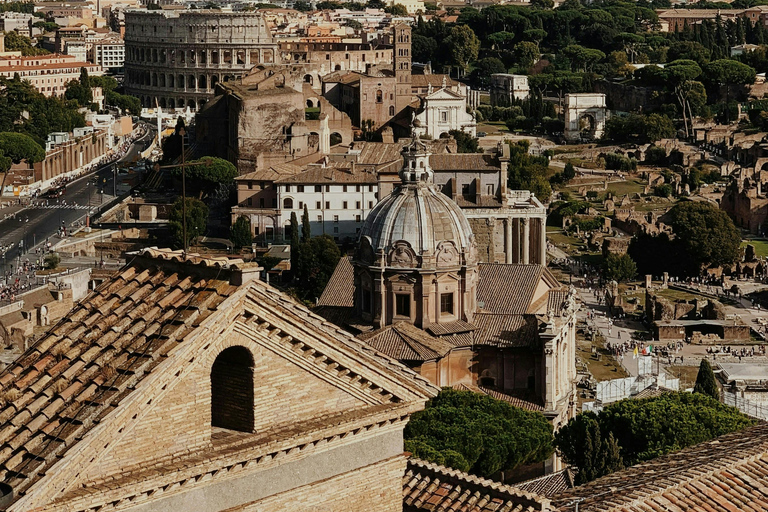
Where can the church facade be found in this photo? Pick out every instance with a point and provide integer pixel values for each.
(416, 290)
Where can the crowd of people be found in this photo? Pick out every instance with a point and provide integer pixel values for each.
(18, 280)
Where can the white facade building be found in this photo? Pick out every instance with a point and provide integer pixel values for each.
(337, 200)
(110, 55)
(443, 110)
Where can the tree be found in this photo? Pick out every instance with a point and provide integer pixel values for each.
(688, 50)
(295, 243)
(317, 260)
(569, 172)
(526, 172)
(681, 75)
(476, 433)
(302, 6)
(706, 234)
(240, 233)
(727, 73)
(486, 67)
(52, 260)
(423, 48)
(642, 430)
(463, 46)
(526, 54)
(18, 147)
(465, 142)
(15, 42)
(207, 173)
(197, 221)
(705, 381)
(619, 267)
(306, 228)
(396, 10)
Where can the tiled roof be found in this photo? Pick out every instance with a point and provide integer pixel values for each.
(512, 400)
(273, 173)
(556, 299)
(405, 342)
(450, 328)
(329, 175)
(494, 287)
(464, 162)
(549, 485)
(435, 80)
(340, 290)
(729, 473)
(431, 487)
(76, 374)
(506, 330)
(90, 363)
(483, 202)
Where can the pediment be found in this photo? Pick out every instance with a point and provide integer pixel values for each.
(443, 94)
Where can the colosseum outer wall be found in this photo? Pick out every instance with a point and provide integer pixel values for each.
(176, 58)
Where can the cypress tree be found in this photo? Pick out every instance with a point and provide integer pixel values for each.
(294, 245)
(306, 230)
(705, 381)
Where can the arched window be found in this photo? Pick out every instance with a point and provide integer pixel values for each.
(391, 111)
(232, 390)
(288, 203)
(379, 96)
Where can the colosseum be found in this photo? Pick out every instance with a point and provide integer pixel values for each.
(178, 57)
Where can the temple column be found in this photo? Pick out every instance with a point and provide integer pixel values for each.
(543, 223)
(508, 241)
(526, 241)
(515, 240)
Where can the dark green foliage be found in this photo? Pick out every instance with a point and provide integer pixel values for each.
(15, 42)
(18, 147)
(639, 128)
(528, 172)
(24, 110)
(52, 260)
(569, 172)
(484, 68)
(396, 10)
(477, 433)
(706, 233)
(619, 162)
(25, 7)
(663, 190)
(317, 259)
(197, 221)
(619, 267)
(240, 233)
(465, 142)
(643, 429)
(705, 381)
(656, 155)
(295, 243)
(206, 174)
(306, 228)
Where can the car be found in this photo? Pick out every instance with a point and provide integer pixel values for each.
(56, 192)
(481, 134)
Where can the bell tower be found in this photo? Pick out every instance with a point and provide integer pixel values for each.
(401, 38)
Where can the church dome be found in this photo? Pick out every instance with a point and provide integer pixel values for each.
(417, 226)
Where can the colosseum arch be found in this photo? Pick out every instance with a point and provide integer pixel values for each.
(191, 82)
(202, 83)
(171, 81)
(180, 82)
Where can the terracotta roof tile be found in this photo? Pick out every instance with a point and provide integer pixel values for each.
(727, 473)
(404, 342)
(504, 330)
(470, 162)
(431, 487)
(493, 289)
(340, 290)
(549, 485)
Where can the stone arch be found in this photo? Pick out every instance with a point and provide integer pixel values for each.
(191, 104)
(171, 103)
(154, 79)
(445, 135)
(202, 82)
(214, 81)
(162, 103)
(337, 67)
(761, 164)
(232, 389)
(180, 82)
(171, 81)
(191, 82)
(200, 104)
(391, 111)
(308, 79)
(336, 138)
(584, 110)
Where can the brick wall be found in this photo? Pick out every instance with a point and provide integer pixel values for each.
(283, 394)
(374, 488)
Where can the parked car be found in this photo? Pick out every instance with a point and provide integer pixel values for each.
(481, 134)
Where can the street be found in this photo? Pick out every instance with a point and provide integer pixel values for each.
(41, 221)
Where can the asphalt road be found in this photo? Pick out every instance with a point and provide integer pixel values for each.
(34, 225)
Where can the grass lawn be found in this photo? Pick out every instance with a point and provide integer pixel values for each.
(761, 246)
(606, 369)
(492, 127)
(678, 295)
(630, 186)
(686, 374)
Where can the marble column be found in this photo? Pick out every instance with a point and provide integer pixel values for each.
(543, 226)
(515, 240)
(508, 240)
(526, 240)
